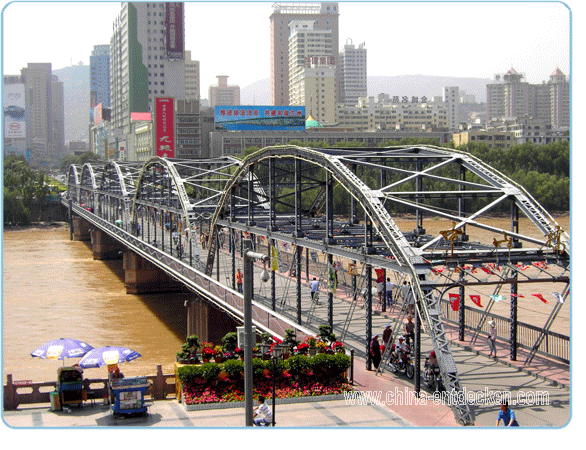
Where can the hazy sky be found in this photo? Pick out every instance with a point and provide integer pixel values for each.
(464, 39)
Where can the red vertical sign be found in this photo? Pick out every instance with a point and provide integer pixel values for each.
(165, 122)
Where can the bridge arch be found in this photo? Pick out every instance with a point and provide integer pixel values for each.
(88, 185)
(414, 187)
(73, 183)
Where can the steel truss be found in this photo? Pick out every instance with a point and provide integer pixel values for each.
(342, 202)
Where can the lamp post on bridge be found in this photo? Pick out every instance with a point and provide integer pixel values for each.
(249, 257)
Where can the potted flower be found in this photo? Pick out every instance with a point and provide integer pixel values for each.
(302, 348)
(311, 341)
(338, 347)
(219, 355)
(239, 352)
(321, 346)
(207, 351)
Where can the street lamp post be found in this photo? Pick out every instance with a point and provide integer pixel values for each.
(249, 257)
(276, 355)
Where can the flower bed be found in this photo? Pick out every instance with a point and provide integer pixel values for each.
(298, 376)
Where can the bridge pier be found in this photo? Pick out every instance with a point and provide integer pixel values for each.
(208, 323)
(143, 277)
(105, 247)
(81, 229)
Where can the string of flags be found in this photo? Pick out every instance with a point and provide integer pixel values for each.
(455, 299)
(490, 268)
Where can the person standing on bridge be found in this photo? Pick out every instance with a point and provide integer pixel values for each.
(375, 351)
(389, 289)
(239, 280)
(314, 285)
(492, 339)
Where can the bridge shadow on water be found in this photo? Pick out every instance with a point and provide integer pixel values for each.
(167, 307)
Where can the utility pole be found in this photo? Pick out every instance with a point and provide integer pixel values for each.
(249, 257)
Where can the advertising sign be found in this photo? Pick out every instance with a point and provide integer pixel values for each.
(14, 111)
(165, 127)
(174, 30)
(97, 114)
(230, 118)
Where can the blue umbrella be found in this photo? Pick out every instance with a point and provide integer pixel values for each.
(104, 356)
(61, 349)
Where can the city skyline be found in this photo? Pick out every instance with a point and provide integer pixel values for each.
(462, 48)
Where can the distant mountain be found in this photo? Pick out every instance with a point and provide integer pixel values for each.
(259, 93)
(76, 93)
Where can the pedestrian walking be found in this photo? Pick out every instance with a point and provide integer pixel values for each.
(387, 335)
(314, 285)
(492, 339)
(389, 289)
(410, 330)
(375, 351)
(239, 280)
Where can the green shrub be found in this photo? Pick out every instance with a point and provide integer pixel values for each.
(298, 364)
(210, 371)
(234, 368)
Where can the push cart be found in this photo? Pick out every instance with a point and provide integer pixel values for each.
(70, 386)
(129, 396)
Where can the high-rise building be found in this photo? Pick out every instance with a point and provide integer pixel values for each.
(38, 81)
(34, 119)
(147, 60)
(14, 131)
(353, 75)
(312, 70)
(224, 94)
(58, 119)
(510, 96)
(192, 90)
(559, 99)
(452, 100)
(44, 110)
(100, 76)
(324, 17)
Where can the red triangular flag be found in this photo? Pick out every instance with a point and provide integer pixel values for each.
(455, 301)
(517, 295)
(540, 297)
(476, 300)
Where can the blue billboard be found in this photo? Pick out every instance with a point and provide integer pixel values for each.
(235, 118)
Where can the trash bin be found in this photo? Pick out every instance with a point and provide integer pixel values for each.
(55, 401)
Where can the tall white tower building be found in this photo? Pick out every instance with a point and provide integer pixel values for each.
(452, 99)
(312, 70)
(353, 73)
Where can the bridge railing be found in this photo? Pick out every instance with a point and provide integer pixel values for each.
(555, 345)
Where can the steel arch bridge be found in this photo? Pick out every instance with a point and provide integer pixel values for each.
(344, 207)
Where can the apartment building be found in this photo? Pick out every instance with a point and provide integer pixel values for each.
(510, 96)
(224, 93)
(353, 73)
(394, 113)
(324, 17)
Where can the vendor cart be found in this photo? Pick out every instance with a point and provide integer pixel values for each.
(129, 396)
(70, 386)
